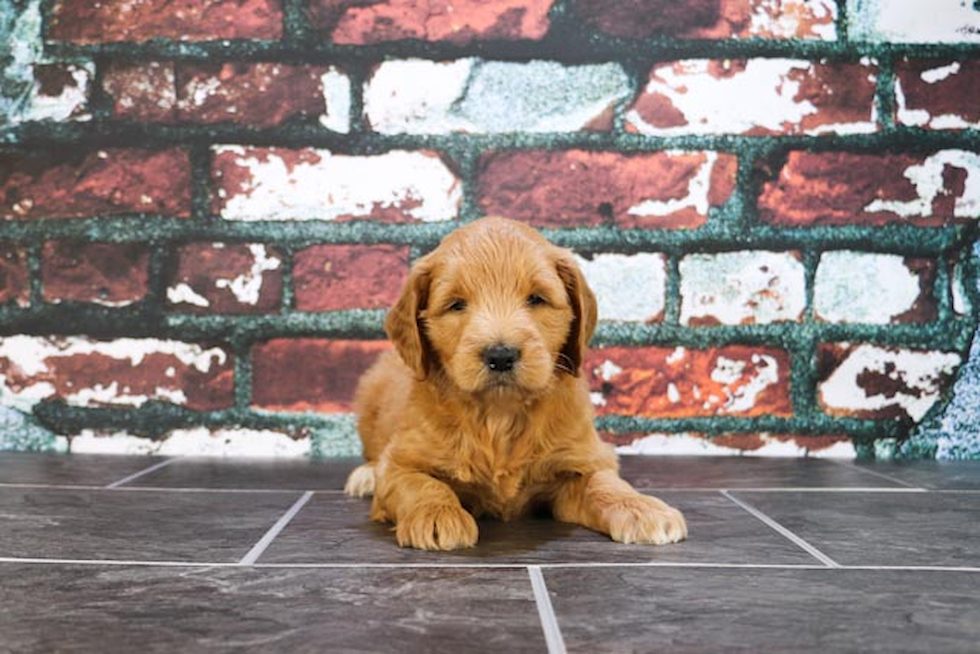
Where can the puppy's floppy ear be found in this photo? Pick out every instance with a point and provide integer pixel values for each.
(583, 306)
(404, 321)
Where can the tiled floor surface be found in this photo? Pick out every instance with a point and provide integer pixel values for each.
(114, 554)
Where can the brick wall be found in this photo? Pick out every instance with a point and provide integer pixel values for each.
(206, 207)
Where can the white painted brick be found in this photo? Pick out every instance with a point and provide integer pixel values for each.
(912, 381)
(914, 21)
(198, 441)
(863, 287)
(470, 95)
(734, 288)
(628, 287)
(321, 185)
(764, 96)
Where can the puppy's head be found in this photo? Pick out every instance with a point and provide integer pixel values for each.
(496, 308)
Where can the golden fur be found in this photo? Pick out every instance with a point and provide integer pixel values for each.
(447, 437)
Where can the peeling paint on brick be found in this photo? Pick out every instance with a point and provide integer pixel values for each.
(869, 381)
(470, 95)
(930, 182)
(736, 288)
(762, 96)
(712, 19)
(122, 372)
(843, 188)
(901, 21)
(199, 441)
(937, 94)
(226, 278)
(670, 189)
(755, 445)
(731, 380)
(628, 287)
(275, 184)
(337, 101)
(863, 287)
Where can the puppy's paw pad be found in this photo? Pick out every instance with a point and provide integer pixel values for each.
(360, 483)
(646, 521)
(441, 527)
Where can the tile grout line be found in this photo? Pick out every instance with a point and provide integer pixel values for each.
(546, 612)
(137, 475)
(880, 475)
(260, 547)
(332, 491)
(487, 566)
(810, 549)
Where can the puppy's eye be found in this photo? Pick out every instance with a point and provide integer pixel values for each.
(535, 300)
(456, 306)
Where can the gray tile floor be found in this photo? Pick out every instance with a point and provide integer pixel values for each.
(118, 554)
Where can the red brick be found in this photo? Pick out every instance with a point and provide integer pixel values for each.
(763, 97)
(462, 21)
(107, 182)
(15, 286)
(123, 372)
(658, 382)
(842, 188)
(145, 92)
(938, 94)
(338, 277)
(310, 374)
(255, 94)
(578, 188)
(112, 274)
(84, 21)
(225, 278)
(710, 19)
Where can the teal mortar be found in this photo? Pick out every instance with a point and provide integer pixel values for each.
(735, 225)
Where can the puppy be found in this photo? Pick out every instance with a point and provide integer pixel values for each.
(482, 410)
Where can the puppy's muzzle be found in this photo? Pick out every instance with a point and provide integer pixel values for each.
(501, 358)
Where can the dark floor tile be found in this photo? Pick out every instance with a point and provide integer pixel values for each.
(135, 525)
(334, 528)
(123, 609)
(743, 472)
(792, 611)
(69, 469)
(940, 529)
(937, 475)
(257, 474)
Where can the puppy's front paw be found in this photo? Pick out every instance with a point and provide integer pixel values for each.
(360, 483)
(437, 527)
(647, 520)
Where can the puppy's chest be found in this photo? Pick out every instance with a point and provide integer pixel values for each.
(500, 476)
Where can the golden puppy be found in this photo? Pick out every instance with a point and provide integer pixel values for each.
(482, 409)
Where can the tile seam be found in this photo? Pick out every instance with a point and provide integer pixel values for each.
(263, 544)
(546, 612)
(500, 566)
(798, 541)
(141, 473)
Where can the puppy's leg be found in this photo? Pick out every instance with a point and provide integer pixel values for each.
(426, 512)
(605, 503)
(360, 482)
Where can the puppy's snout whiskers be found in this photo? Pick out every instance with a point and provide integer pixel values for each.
(565, 364)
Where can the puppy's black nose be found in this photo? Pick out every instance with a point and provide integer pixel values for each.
(501, 358)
